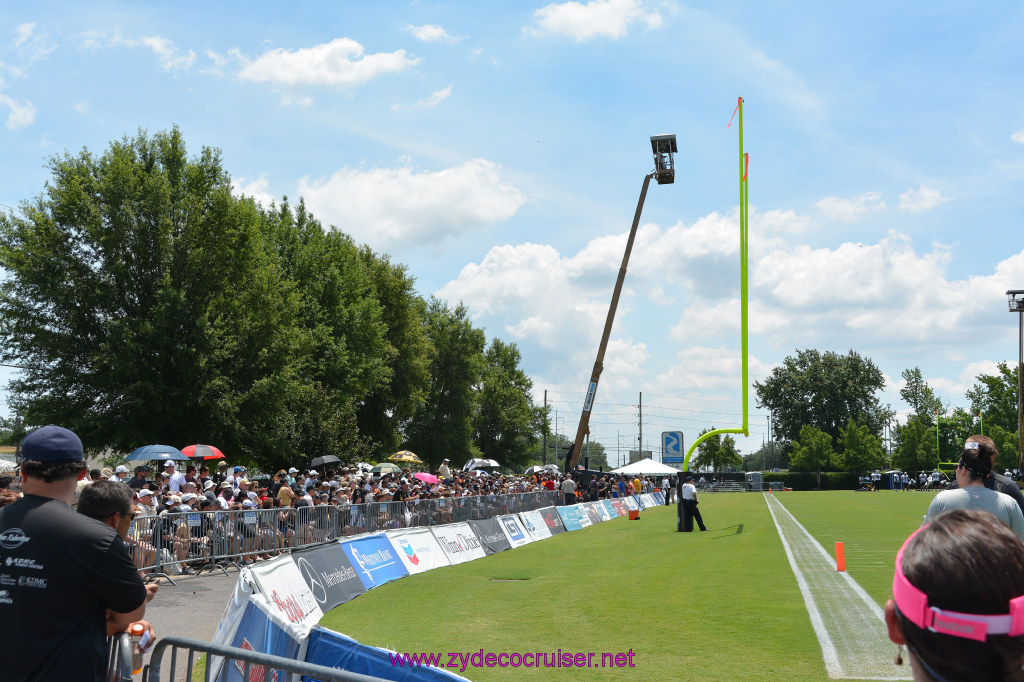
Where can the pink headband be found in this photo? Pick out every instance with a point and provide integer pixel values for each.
(913, 604)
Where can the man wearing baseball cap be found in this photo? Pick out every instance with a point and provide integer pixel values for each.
(71, 580)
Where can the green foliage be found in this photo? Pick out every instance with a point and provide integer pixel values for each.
(823, 390)
(813, 452)
(1006, 443)
(442, 425)
(505, 418)
(386, 411)
(915, 447)
(771, 455)
(829, 480)
(995, 396)
(861, 449)
(716, 453)
(919, 395)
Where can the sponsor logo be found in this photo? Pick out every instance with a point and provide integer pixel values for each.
(23, 562)
(30, 581)
(409, 551)
(256, 672)
(13, 538)
(512, 528)
(295, 606)
(6, 579)
(309, 574)
(5, 597)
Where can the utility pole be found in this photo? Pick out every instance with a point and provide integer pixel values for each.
(640, 440)
(544, 447)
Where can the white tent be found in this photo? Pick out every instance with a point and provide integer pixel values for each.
(646, 467)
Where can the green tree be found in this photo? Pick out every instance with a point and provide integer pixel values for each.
(995, 396)
(505, 418)
(442, 425)
(717, 453)
(1006, 444)
(861, 449)
(771, 455)
(597, 456)
(824, 390)
(915, 447)
(386, 412)
(919, 395)
(145, 303)
(813, 451)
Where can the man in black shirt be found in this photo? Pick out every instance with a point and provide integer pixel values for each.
(67, 579)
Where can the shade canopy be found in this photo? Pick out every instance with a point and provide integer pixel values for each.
(646, 467)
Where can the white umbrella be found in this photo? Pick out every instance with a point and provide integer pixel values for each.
(7, 466)
(477, 463)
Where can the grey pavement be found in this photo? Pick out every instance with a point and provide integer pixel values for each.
(191, 608)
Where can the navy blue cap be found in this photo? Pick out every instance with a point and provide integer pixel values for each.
(52, 444)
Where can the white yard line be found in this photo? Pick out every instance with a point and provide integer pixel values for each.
(849, 624)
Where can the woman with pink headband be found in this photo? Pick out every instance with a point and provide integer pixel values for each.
(958, 599)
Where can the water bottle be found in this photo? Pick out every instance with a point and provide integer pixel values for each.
(140, 641)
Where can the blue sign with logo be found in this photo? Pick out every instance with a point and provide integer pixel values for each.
(374, 560)
(672, 447)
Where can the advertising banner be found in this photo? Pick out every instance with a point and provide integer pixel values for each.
(260, 629)
(418, 549)
(374, 559)
(581, 512)
(534, 524)
(329, 575)
(659, 497)
(281, 583)
(619, 507)
(459, 542)
(591, 510)
(335, 650)
(230, 618)
(629, 502)
(552, 519)
(609, 509)
(514, 531)
(571, 517)
(649, 501)
(490, 535)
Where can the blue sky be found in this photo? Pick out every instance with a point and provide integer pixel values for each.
(498, 149)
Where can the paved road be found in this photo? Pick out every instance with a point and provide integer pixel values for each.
(192, 608)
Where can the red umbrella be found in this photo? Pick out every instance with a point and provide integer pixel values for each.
(203, 451)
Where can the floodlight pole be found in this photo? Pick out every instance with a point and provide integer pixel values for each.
(1016, 300)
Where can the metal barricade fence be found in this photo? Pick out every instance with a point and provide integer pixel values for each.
(177, 542)
(252, 665)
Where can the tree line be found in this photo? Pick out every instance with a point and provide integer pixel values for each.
(826, 416)
(146, 303)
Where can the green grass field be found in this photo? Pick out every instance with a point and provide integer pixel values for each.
(721, 605)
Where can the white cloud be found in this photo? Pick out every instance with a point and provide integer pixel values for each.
(170, 58)
(850, 210)
(339, 62)
(23, 33)
(432, 33)
(385, 207)
(597, 18)
(921, 199)
(436, 98)
(81, 107)
(258, 189)
(31, 46)
(1018, 137)
(23, 113)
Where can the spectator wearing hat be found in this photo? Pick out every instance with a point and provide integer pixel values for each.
(444, 471)
(119, 474)
(75, 581)
(138, 479)
(222, 471)
(176, 479)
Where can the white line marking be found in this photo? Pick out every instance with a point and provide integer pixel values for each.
(849, 624)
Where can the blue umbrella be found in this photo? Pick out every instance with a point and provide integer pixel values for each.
(151, 452)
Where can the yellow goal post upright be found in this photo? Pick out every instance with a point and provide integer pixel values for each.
(745, 429)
